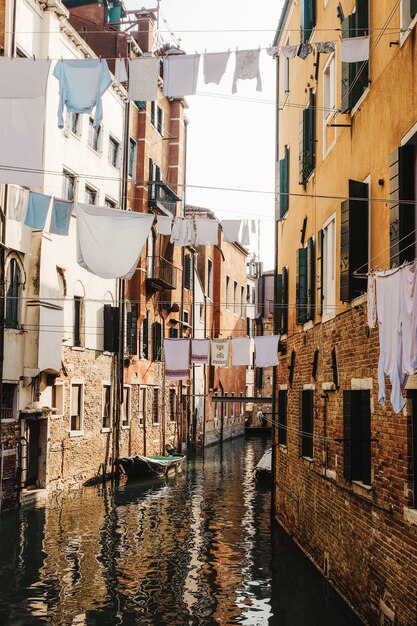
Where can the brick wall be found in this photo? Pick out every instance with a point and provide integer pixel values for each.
(367, 535)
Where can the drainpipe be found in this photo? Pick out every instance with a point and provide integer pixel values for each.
(205, 376)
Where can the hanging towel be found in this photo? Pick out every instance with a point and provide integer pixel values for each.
(388, 291)
(200, 351)
(17, 203)
(266, 350)
(110, 241)
(37, 210)
(253, 227)
(242, 351)
(231, 229)
(82, 83)
(207, 232)
(177, 359)
(120, 72)
(304, 50)
(143, 78)
(244, 235)
(325, 47)
(289, 52)
(371, 301)
(215, 64)
(22, 120)
(61, 217)
(247, 67)
(180, 74)
(220, 352)
(355, 49)
(408, 278)
(164, 225)
(183, 231)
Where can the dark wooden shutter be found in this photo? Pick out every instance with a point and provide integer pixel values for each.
(348, 461)
(284, 183)
(413, 8)
(145, 338)
(156, 341)
(285, 300)
(301, 286)
(307, 18)
(320, 276)
(306, 408)
(282, 416)
(315, 364)
(355, 76)
(402, 215)
(292, 368)
(160, 119)
(111, 328)
(259, 374)
(311, 278)
(278, 304)
(357, 435)
(354, 241)
(187, 271)
(335, 370)
(132, 329)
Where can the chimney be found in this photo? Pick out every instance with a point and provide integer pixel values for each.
(144, 35)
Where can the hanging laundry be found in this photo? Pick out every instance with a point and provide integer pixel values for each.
(325, 47)
(120, 72)
(253, 226)
(61, 217)
(273, 51)
(38, 206)
(177, 359)
(231, 229)
(408, 279)
(244, 235)
(82, 83)
(289, 51)
(143, 78)
(200, 351)
(164, 224)
(22, 120)
(110, 241)
(355, 49)
(242, 351)
(183, 231)
(390, 343)
(180, 75)
(220, 352)
(266, 350)
(17, 203)
(215, 64)
(304, 50)
(247, 67)
(371, 301)
(207, 232)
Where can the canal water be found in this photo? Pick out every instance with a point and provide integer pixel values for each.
(196, 549)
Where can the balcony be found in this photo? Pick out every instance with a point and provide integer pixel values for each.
(160, 274)
(162, 197)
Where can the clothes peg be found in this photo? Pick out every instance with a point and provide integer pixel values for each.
(34, 57)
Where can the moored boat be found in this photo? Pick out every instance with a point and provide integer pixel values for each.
(138, 466)
(263, 470)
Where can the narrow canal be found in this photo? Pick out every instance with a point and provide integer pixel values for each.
(194, 550)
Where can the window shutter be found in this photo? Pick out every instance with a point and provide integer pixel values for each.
(278, 304)
(301, 286)
(282, 417)
(347, 435)
(284, 183)
(160, 120)
(355, 76)
(132, 329)
(402, 219)
(311, 278)
(141, 104)
(307, 18)
(301, 148)
(284, 300)
(357, 435)
(187, 271)
(145, 338)
(320, 277)
(354, 241)
(308, 140)
(413, 8)
(157, 341)
(111, 328)
(365, 432)
(306, 402)
(259, 377)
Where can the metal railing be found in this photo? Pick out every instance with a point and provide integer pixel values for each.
(162, 271)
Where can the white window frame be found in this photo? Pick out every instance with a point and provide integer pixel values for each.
(158, 390)
(235, 297)
(242, 302)
(233, 405)
(93, 190)
(106, 384)
(127, 407)
(66, 174)
(116, 142)
(226, 405)
(329, 99)
(142, 404)
(227, 293)
(59, 413)
(133, 145)
(77, 382)
(329, 304)
(216, 406)
(91, 132)
(242, 412)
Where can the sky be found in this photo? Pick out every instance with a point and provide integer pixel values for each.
(231, 137)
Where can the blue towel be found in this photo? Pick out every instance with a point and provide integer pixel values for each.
(61, 217)
(37, 210)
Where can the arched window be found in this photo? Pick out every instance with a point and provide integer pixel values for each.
(13, 280)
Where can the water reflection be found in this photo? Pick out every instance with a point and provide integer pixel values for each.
(190, 551)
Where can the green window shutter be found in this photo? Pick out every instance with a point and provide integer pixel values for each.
(160, 120)
(357, 435)
(301, 176)
(153, 112)
(354, 240)
(355, 76)
(347, 435)
(11, 319)
(308, 140)
(141, 104)
(402, 218)
(301, 286)
(111, 328)
(278, 304)
(132, 329)
(320, 277)
(282, 417)
(145, 338)
(413, 8)
(187, 271)
(284, 300)
(307, 18)
(311, 279)
(284, 165)
(306, 409)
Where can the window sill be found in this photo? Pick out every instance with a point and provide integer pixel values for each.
(76, 433)
(155, 424)
(126, 427)
(330, 474)
(8, 421)
(56, 417)
(78, 348)
(410, 515)
(283, 447)
(361, 489)
(309, 459)
(70, 133)
(105, 430)
(116, 167)
(97, 152)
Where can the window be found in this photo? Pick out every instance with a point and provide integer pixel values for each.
(242, 303)
(144, 338)
(354, 245)
(94, 136)
(305, 283)
(78, 321)
(188, 271)
(112, 204)
(90, 195)
(106, 406)
(329, 101)
(76, 417)
(307, 18)
(68, 186)
(156, 341)
(282, 301)
(132, 158)
(114, 150)
(284, 183)
(227, 292)
(355, 76)
(225, 405)
(286, 73)
(58, 398)
(412, 449)
(8, 409)
(233, 405)
(154, 178)
(308, 140)
(216, 407)
(142, 404)
(151, 257)
(326, 270)
(402, 174)
(157, 117)
(235, 303)
(155, 406)
(210, 279)
(126, 407)
(111, 328)
(408, 12)
(357, 435)
(306, 422)
(13, 282)
(242, 404)
(132, 328)
(282, 417)
(172, 404)
(74, 124)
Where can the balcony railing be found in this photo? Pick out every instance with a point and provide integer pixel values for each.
(162, 197)
(160, 273)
